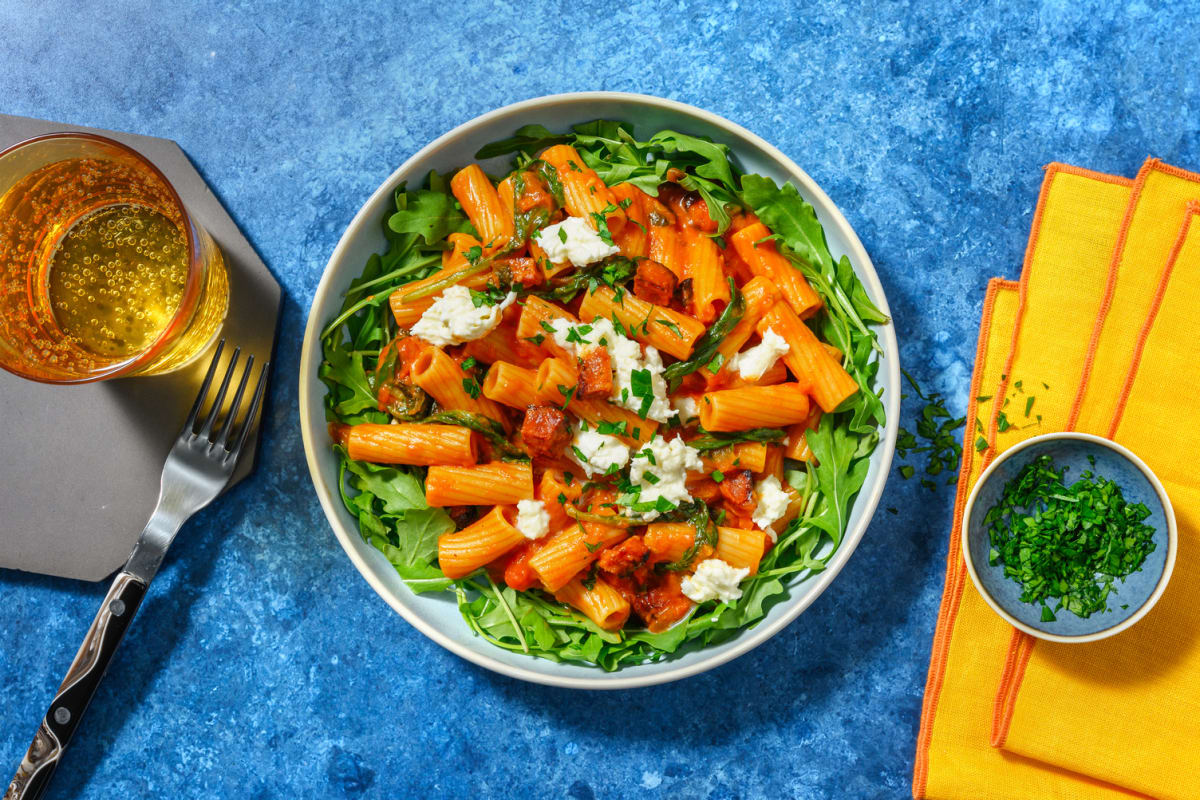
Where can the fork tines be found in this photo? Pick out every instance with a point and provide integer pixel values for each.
(220, 435)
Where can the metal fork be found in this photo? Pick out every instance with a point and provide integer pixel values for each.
(198, 467)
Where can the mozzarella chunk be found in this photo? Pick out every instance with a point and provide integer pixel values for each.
(660, 470)
(574, 240)
(533, 521)
(454, 318)
(714, 580)
(597, 453)
(753, 363)
(773, 503)
(685, 406)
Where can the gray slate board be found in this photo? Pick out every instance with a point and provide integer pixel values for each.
(80, 465)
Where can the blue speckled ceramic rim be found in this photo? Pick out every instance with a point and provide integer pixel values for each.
(1168, 512)
(779, 618)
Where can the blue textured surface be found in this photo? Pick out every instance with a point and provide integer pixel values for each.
(1071, 455)
(262, 665)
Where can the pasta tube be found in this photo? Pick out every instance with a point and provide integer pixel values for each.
(555, 373)
(569, 551)
(441, 376)
(764, 259)
(646, 322)
(462, 552)
(754, 407)
(707, 270)
(480, 200)
(600, 602)
(631, 239)
(759, 294)
(808, 359)
(408, 310)
(513, 386)
(741, 548)
(497, 483)
(584, 192)
(418, 444)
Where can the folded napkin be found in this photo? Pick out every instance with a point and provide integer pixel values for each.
(1126, 710)
(1074, 233)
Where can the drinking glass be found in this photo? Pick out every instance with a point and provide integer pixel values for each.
(103, 273)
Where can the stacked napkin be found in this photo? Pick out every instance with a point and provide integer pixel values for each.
(1103, 328)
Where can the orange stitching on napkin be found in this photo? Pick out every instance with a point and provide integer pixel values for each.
(1110, 287)
(1103, 177)
(1020, 651)
(955, 569)
(1193, 209)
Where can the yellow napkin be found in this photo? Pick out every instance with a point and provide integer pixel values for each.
(1127, 710)
(1062, 288)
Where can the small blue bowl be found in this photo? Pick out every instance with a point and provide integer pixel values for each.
(1138, 593)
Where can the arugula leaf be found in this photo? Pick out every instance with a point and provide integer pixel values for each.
(342, 368)
(714, 157)
(785, 212)
(431, 215)
(527, 139)
(417, 547)
(839, 474)
(397, 490)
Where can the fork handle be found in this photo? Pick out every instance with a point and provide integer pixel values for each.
(78, 688)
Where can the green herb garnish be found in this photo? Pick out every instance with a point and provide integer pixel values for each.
(1067, 543)
(934, 437)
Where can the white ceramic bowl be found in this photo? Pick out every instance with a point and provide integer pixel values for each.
(436, 615)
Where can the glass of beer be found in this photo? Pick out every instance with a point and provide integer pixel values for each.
(103, 272)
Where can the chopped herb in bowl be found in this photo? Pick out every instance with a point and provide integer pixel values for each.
(1066, 543)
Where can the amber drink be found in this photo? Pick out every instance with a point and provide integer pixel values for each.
(102, 271)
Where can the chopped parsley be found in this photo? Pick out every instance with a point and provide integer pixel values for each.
(601, 220)
(612, 428)
(568, 393)
(671, 326)
(471, 387)
(641, 386)
(1067, 543)
(714, 366)
(934, 438)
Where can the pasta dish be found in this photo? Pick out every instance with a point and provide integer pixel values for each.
(616, 399)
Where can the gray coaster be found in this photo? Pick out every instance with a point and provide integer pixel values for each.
(80, 465)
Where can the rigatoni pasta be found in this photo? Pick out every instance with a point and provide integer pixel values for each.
(754, 407)
(462, 552)
(497, 483)
(444, 379)
(414, 444)
(668, 330)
